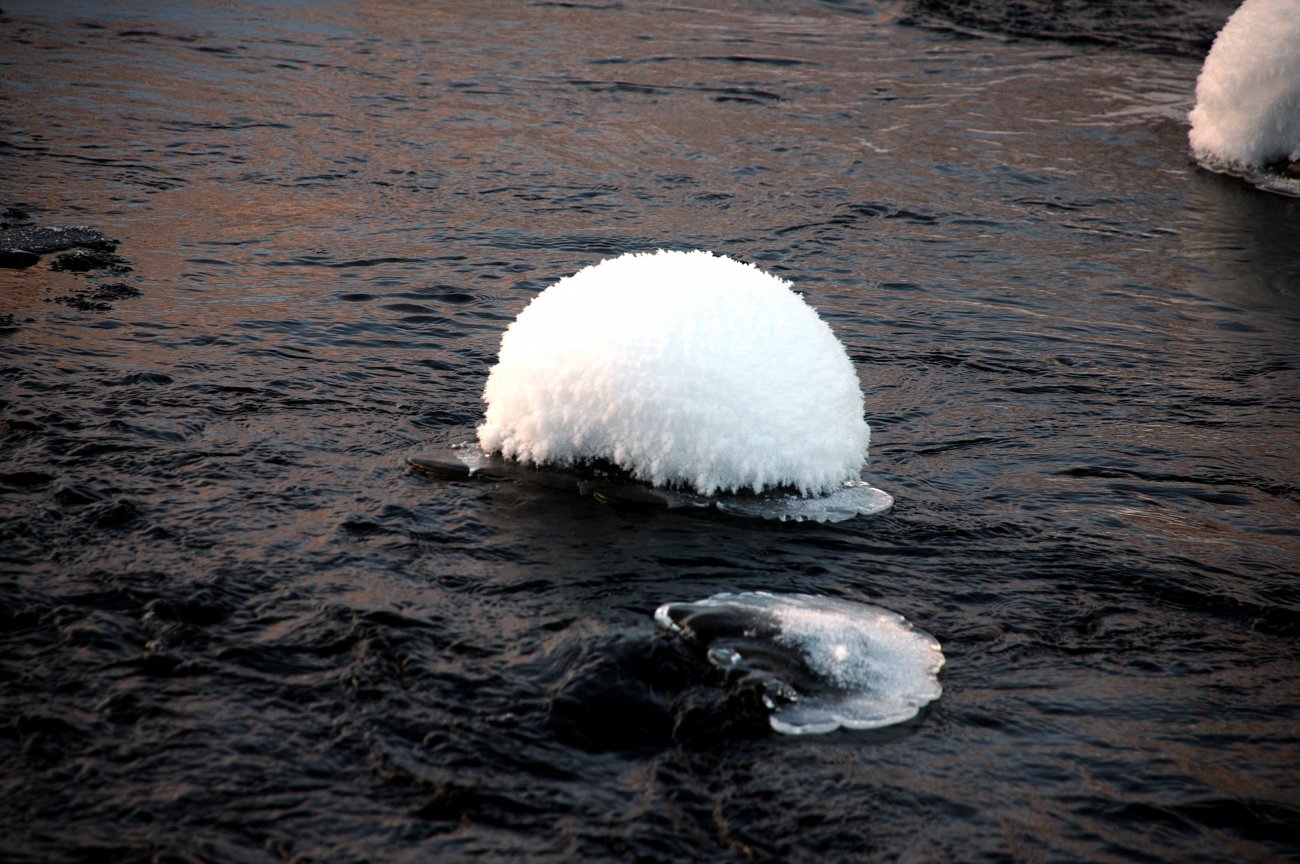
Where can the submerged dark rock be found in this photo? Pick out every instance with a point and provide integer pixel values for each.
(40, 241)
(85, 260)
(22, 244)
(17, 259)
(100, 298)
(639, 695)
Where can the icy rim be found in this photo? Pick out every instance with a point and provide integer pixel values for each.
(1260, 178)
(820, 663)
(467, 461)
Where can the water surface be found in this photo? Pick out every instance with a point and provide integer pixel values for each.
(236, 627)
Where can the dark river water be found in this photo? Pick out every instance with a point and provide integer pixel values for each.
(236, 627)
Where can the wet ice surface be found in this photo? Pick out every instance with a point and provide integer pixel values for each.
(235, 626)
(610, 485)
(822, 663)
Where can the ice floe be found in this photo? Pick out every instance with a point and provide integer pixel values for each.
(820, 662)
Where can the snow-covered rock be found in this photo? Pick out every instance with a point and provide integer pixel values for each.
(686, 369)
(1247, 112)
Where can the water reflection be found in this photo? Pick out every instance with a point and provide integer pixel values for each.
(1244, 245)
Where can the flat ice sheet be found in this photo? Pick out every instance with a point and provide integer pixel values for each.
(852, 498)
(820, 662)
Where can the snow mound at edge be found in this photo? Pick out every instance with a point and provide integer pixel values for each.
(1247, 110)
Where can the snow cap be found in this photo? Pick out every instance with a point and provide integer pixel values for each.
(684, 368)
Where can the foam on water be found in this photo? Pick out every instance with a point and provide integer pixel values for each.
(820, 662)
(1247, 113)
(685, 369)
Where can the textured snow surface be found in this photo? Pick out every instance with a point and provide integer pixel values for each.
(1248, 94)
(821, 663)
(684, 368)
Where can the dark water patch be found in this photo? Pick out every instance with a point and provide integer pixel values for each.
(782, 62)
(719, 92)
(320, 260)
(562, 4)
(589, 244)
(234, 124)
(1158, 26)
(1063, 205)
(441, 419)
(1281, 617)
(743, 97)
(1257, 821)
(451, 296)
(116, 515)
(72, 495)
(327, 179)
(412, 308)
(856, 215)
(1219, 481)
(219, 49)
(26, 480)
(132, 379)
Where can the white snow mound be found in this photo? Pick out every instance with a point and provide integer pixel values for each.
(1247, 109)
(686, 369)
